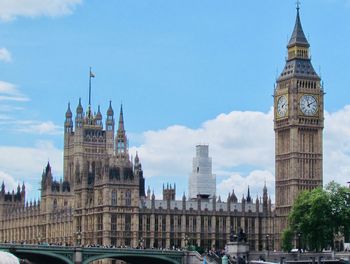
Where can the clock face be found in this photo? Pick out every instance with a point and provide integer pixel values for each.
(308, 105)
(282, 106)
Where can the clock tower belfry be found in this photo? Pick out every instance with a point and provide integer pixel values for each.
(298, 125)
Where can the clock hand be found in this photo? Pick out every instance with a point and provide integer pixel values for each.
(308, 105)
(312, 103)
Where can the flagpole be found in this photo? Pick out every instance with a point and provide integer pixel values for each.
(90, 93)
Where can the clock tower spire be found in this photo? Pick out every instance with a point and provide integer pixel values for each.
(298, 125)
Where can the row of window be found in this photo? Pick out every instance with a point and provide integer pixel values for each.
(205, 224)
(114, 198)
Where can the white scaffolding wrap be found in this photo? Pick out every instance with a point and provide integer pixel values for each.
(202, 181)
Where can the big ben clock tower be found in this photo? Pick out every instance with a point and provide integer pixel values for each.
(298, 124)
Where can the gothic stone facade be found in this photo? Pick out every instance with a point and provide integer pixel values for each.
(102, 200)
(298, 119)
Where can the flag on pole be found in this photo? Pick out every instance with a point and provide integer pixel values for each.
(92, 75)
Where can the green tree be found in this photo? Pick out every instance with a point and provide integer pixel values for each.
(340, 206)
(311, 216)
(287, 238)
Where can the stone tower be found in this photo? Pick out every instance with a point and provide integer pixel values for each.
(106, 185)
(298, 124)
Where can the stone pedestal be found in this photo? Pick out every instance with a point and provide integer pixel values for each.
(238, 250)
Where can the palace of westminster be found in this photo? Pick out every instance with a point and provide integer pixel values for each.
(102, 200)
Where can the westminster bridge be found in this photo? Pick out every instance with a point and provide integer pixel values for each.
(41, 254)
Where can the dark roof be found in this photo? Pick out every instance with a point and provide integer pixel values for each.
(301, 68)
(55, 186)
(79, 107)
(69, 112)
(121, 119)
(110, 109)
(65, 186)
(48, 168)
(298, 36)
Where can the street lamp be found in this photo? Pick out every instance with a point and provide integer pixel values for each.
(78, 238)
(186, 241)
(299, 241)
(267, 244)
(39, 238)
(141, 240)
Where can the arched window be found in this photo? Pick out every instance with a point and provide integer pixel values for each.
(128, 198)
(114, 198)
(55, 204)
(99, 197)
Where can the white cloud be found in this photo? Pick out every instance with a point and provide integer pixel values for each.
(10, 92)
(10, 182)
(238, 139)
(240, 143)
(242, 147)
(255, 180)
(337, 146)
(28, 162)
(25, 164)
(10, 9)
(5, 55)
(35, 127)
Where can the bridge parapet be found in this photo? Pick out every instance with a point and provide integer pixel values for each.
(84, 255)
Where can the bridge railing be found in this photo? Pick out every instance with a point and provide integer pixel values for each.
(91, 248)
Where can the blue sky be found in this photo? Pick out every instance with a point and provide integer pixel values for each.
(187, 72)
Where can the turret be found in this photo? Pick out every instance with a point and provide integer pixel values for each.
(46, 179)
(98, 117)
(257, 204)
(184, 202)
(110, 130)
(243, 203)
(169, 193)
(68, 124)
(153, 198)
(139, 173)
(79, 117)
(233, 197)
(249, 199)
(265, 198)
(121, 140)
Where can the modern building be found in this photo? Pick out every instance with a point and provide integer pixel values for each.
(202, 182)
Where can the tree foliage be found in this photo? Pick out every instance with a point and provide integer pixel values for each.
(340, 204)
(319, 215)
(287, 238)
